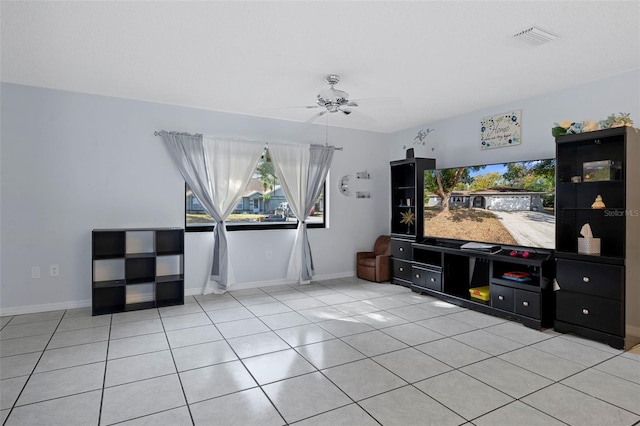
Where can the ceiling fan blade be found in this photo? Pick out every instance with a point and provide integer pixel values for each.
(376, 102)
(362, 116)
(292, 107)
(316, 116)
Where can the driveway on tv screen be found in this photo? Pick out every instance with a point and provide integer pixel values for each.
(529, 228)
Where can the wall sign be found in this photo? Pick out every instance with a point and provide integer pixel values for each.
(500, 130)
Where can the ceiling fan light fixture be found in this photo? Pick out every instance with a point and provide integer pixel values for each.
(332, 100)
(332, 96)
(332, 79)
(536, 36)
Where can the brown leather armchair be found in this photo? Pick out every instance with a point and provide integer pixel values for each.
(375, 265)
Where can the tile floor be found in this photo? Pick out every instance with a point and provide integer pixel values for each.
(338, 352)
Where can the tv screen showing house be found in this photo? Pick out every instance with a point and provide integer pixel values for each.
(506, 204)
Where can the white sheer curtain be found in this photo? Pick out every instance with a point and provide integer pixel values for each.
(301, 169)
(217, 171)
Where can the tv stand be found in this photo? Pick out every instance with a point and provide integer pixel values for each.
(442, 269)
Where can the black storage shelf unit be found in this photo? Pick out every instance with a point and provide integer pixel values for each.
(407, 196)
(108, 300)
(110, 245)
(140, 269)
(169, 278)
(124, 258)
(167, 292)
(139, 306)
(452, 271)
(169, 242)
(598, 295)
(108, 284)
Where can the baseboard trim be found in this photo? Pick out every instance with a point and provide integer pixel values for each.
(348, 274)
(46, 307)
(255, 284)
(634, 332)
(134, 298)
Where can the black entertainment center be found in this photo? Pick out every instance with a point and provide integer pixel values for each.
(444, 270)
(440, 267)
(590, 288)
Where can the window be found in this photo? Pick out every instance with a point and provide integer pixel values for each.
(262, 206)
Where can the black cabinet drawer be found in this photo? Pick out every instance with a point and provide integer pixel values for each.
(590, 278)
(401, 269)
(502, 297)
(401, 249)
(426, 277)
(590, 311)
(527, 303)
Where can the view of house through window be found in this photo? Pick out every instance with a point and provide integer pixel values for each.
(263, 203)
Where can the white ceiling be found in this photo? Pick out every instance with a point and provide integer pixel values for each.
(441, 58)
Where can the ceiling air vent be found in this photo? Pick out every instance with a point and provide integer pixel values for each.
(535, 36)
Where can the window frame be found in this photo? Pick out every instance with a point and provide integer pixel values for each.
(232, 227)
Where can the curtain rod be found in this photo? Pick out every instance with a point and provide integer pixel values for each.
(162, 132)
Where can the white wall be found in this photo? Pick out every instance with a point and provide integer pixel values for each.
(74, 162)
(456, 141)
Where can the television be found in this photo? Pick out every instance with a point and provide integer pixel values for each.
(507, 204)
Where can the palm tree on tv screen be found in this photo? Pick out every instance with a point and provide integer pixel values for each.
(444, 182)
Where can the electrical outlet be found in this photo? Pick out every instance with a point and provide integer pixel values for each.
(35, 272)
(268, 255)
(54, 270)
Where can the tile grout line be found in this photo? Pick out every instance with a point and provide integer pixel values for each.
(317, 370)
(248, 371)
(490, 357)
(366, 358)
(175, 365)
(13, 406)
(104, 374)
(585, 368)
(407, 384)
(275, 331)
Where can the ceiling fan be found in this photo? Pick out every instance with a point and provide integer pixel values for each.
(335, 100)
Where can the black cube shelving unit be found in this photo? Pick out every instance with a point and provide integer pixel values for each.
(122, 258)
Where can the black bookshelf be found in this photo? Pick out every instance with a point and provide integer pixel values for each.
(122, 258)
(599, 291)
